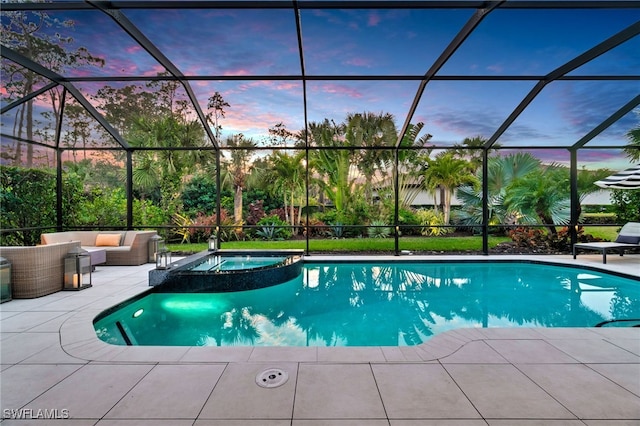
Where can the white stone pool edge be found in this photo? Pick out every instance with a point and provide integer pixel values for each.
(78, 338)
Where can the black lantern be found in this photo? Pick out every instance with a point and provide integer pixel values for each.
(5, 280)
(163, 258)
(77, 269)
(155, 242)
(213, 242)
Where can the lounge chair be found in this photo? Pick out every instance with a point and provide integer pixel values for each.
(629, 237)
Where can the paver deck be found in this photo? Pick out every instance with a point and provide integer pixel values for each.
(55, 371)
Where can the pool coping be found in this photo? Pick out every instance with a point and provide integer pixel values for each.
(78, 338)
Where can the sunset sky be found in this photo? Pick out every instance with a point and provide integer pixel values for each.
(523, 45)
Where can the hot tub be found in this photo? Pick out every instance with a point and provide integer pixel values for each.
(228, 270)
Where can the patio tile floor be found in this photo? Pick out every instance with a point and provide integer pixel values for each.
(52, 365)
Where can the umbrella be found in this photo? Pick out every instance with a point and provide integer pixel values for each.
(626, 179)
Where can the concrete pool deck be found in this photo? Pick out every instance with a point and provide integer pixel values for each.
(53, 366)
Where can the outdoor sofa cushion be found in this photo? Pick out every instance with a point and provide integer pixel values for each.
(628, 239)
(108, 240)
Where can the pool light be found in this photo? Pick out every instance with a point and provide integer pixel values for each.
(137, 313)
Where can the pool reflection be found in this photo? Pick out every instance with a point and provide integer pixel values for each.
(365, 304)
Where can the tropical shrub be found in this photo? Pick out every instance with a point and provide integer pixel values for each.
(315, 227)
(254, 195)
(539, 240)
(204, 227)
(199, 194)
(255, 212)
(344, 224)
(182, 230)
(273, 228)
(102, 208)
(282, 212)
(147, 214)
(378, 230)
(199, 228)
(432, 223)
(408, 219)
(27, 199)
(626, 205)
(337, 230)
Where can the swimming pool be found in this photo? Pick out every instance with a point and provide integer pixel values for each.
(375, 304)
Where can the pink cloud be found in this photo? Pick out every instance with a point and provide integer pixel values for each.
(133, 49)
(81, 73)
(252, 121)
(156, 69)
(119, 67)
(359, 62)
(339, 89)
(374, 19)
(239, 71)
(287, 85)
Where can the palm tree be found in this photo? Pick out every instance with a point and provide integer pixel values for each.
(501, 172)
(165, 168)
(239, 168)
(332, 165)
(632, 150)
(371, 131)
(541, 195)
(409, 170)
(449, 173)
(472, 149)
(286, 175)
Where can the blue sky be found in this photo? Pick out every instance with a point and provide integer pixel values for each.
(357, 42)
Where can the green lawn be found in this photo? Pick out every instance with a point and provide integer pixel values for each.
(381, 245)
(609, 233)
(444, 244)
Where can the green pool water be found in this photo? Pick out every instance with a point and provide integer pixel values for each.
(376, 304)
(235, 263)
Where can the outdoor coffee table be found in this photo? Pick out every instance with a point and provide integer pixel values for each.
(98, 256)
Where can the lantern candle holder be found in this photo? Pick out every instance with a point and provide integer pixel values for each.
(155, 242)
(163, 258)
(213, 243)
(5, 280)
(77, 269)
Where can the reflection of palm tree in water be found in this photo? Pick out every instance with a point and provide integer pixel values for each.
(227, 329)
(357, 303)
(515, 297)
(346, 303)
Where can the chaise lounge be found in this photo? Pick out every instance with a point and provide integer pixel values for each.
(628, 238)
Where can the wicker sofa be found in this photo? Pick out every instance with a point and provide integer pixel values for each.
(121, 247)
(37, 270)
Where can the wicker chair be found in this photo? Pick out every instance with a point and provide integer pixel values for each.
(37, 270)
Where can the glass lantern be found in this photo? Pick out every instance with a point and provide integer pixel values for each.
(5, 280)
(77, 269)
(213, 242)
(155, 242)
(163, 258)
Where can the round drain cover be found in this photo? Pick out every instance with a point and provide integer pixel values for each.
(272, 378)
